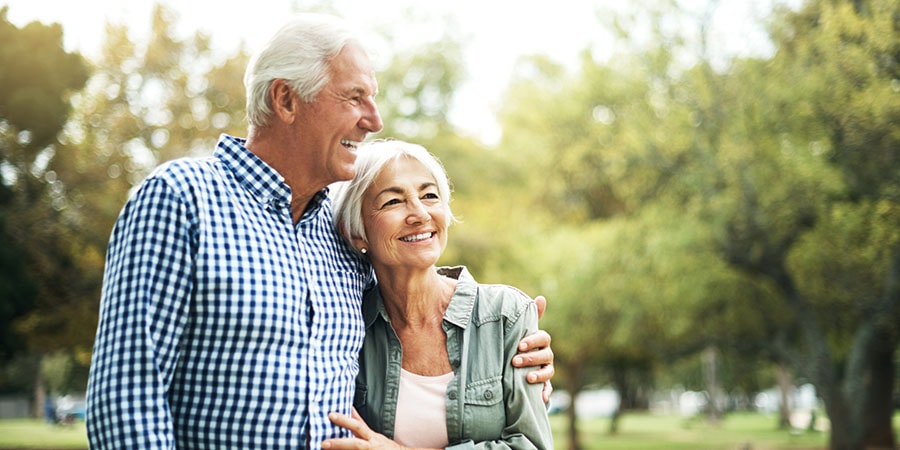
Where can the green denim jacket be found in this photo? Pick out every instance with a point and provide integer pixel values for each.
(495, 407)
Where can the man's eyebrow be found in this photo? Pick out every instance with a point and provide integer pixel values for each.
(359, 90)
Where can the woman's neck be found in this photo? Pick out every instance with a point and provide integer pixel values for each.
(416, 299)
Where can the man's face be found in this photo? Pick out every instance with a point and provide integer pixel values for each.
(340, 117)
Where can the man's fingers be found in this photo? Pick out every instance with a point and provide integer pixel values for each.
(343, 443)
(541, 303)
(538, 339)
(534, 358)
(541, 375)
(355, 425)
(547, 391)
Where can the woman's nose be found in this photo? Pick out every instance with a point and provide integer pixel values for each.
(417, 213)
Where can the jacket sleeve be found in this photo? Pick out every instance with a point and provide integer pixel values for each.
(527, 425)
(143, 310)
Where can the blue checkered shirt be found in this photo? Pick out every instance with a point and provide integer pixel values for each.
(223, 325)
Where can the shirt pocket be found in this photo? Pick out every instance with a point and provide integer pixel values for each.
(485, 408)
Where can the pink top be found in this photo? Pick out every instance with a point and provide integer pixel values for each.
(421, 419)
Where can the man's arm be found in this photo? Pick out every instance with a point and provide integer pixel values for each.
(143, 307)
(535, 351)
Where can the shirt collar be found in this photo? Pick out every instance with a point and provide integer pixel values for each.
(459, 311)
(263, 182)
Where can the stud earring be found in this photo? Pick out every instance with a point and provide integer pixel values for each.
(363, 250)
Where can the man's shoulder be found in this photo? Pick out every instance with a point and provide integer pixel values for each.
(185, 169)
(188, 176)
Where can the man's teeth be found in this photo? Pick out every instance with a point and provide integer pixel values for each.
(416, 237)
(349, 143)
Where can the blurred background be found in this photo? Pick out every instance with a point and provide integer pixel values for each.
(707, 192)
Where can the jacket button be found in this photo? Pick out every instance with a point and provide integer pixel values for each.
(453, 396)
(488, 395)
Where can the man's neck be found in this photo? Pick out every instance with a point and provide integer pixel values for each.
(266, 145)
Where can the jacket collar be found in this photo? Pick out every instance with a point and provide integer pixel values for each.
(459, 311)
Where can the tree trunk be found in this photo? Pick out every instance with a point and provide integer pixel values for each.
(785, 388)
(879, 391)
(572, 430)
(879, 395)
(40, 396)
(573, 381)
(621, 384)
(844, 434)
(711, 376)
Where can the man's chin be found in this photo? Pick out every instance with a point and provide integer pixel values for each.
(348, 173)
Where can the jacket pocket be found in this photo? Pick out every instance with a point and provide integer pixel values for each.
(485, 412)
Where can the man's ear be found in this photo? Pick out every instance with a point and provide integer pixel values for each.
(284, 102)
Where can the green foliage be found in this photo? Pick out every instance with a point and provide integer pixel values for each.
(840, 266)
(143, 105)
(36, 81)
(844, 55)
(37, 74)
(16, 291)
(717, 207)
(55, 370)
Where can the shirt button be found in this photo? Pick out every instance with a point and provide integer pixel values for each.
(453, 395)
(488, 395)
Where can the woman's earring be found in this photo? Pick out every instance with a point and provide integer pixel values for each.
(363, 250)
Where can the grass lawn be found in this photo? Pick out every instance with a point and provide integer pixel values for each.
(636, 432)
(37, 434)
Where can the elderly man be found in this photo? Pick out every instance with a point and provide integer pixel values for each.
(230, 316)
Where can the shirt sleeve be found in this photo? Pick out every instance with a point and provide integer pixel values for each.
(143, 310)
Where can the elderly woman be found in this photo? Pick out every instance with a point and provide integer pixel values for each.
(435, 366)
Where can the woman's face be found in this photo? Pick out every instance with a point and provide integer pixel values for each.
(404, 217)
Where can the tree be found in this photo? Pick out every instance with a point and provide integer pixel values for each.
(765, 156)
(839, 59)
(37, 78)
(589, 153)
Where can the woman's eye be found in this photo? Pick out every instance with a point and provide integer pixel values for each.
(431, 195)
(390, 202)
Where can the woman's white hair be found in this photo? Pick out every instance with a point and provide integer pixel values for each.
(371, 157)
(300, 52)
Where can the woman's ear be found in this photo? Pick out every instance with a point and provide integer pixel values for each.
(360, 244)
(357, 242)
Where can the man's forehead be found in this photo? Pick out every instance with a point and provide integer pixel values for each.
(352, 70)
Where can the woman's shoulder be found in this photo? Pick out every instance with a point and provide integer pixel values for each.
(493, 301)
(502, 299)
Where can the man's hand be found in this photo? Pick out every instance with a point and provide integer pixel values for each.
(363, 436)
(534, 351)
